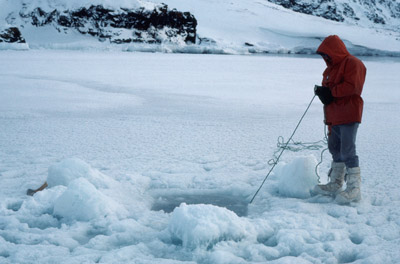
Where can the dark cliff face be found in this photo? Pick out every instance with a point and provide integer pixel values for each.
(11, 35)
(376, 11)
(323, 8)
(120, 26)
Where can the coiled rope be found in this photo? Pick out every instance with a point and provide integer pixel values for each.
(294, 146)
(297, 146)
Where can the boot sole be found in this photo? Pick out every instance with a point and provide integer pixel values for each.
(325, 193)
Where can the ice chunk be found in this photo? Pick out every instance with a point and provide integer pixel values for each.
(83, 202)
(203, 225)
(297, 178)
(67, 170)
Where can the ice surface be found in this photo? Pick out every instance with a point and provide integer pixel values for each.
(179, 126)
(297, 178)
(14, 46)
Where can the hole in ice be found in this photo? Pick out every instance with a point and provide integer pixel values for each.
(347, 258)
(270, 242)
(168, 203)
(356, 239)
(176, 242)
(15, 206)
(4, 254)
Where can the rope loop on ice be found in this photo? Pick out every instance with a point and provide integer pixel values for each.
(297, 146)
(283, 146)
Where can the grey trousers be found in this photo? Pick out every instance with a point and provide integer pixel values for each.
(342, 144)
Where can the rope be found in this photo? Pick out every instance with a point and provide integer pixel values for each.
(282, 149)
(325, 142)
(297, 146)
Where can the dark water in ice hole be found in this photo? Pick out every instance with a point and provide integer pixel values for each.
(168, 203)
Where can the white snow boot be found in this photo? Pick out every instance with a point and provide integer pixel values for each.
(352, 192)
(336, 178)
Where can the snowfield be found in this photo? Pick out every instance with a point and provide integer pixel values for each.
(153, 158)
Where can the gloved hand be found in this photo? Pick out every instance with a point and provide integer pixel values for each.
(324, 94)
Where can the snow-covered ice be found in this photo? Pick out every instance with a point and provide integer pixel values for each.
(117, 133)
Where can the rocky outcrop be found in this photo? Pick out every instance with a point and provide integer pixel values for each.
(326, 9)
(122, 25)
(376, 11)
(11, 35)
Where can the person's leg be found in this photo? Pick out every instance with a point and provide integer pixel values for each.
(348, 145)
(349, 156)
(334, 143)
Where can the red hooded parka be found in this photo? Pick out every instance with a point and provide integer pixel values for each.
(344, 76)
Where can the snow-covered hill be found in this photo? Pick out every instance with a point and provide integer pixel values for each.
(374, 14)
(207, 26)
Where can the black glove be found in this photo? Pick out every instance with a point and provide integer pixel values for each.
(324, 94)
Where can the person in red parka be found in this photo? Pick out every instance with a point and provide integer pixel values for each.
(342, 84)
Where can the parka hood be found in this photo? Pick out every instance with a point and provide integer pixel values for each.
(334, 47)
